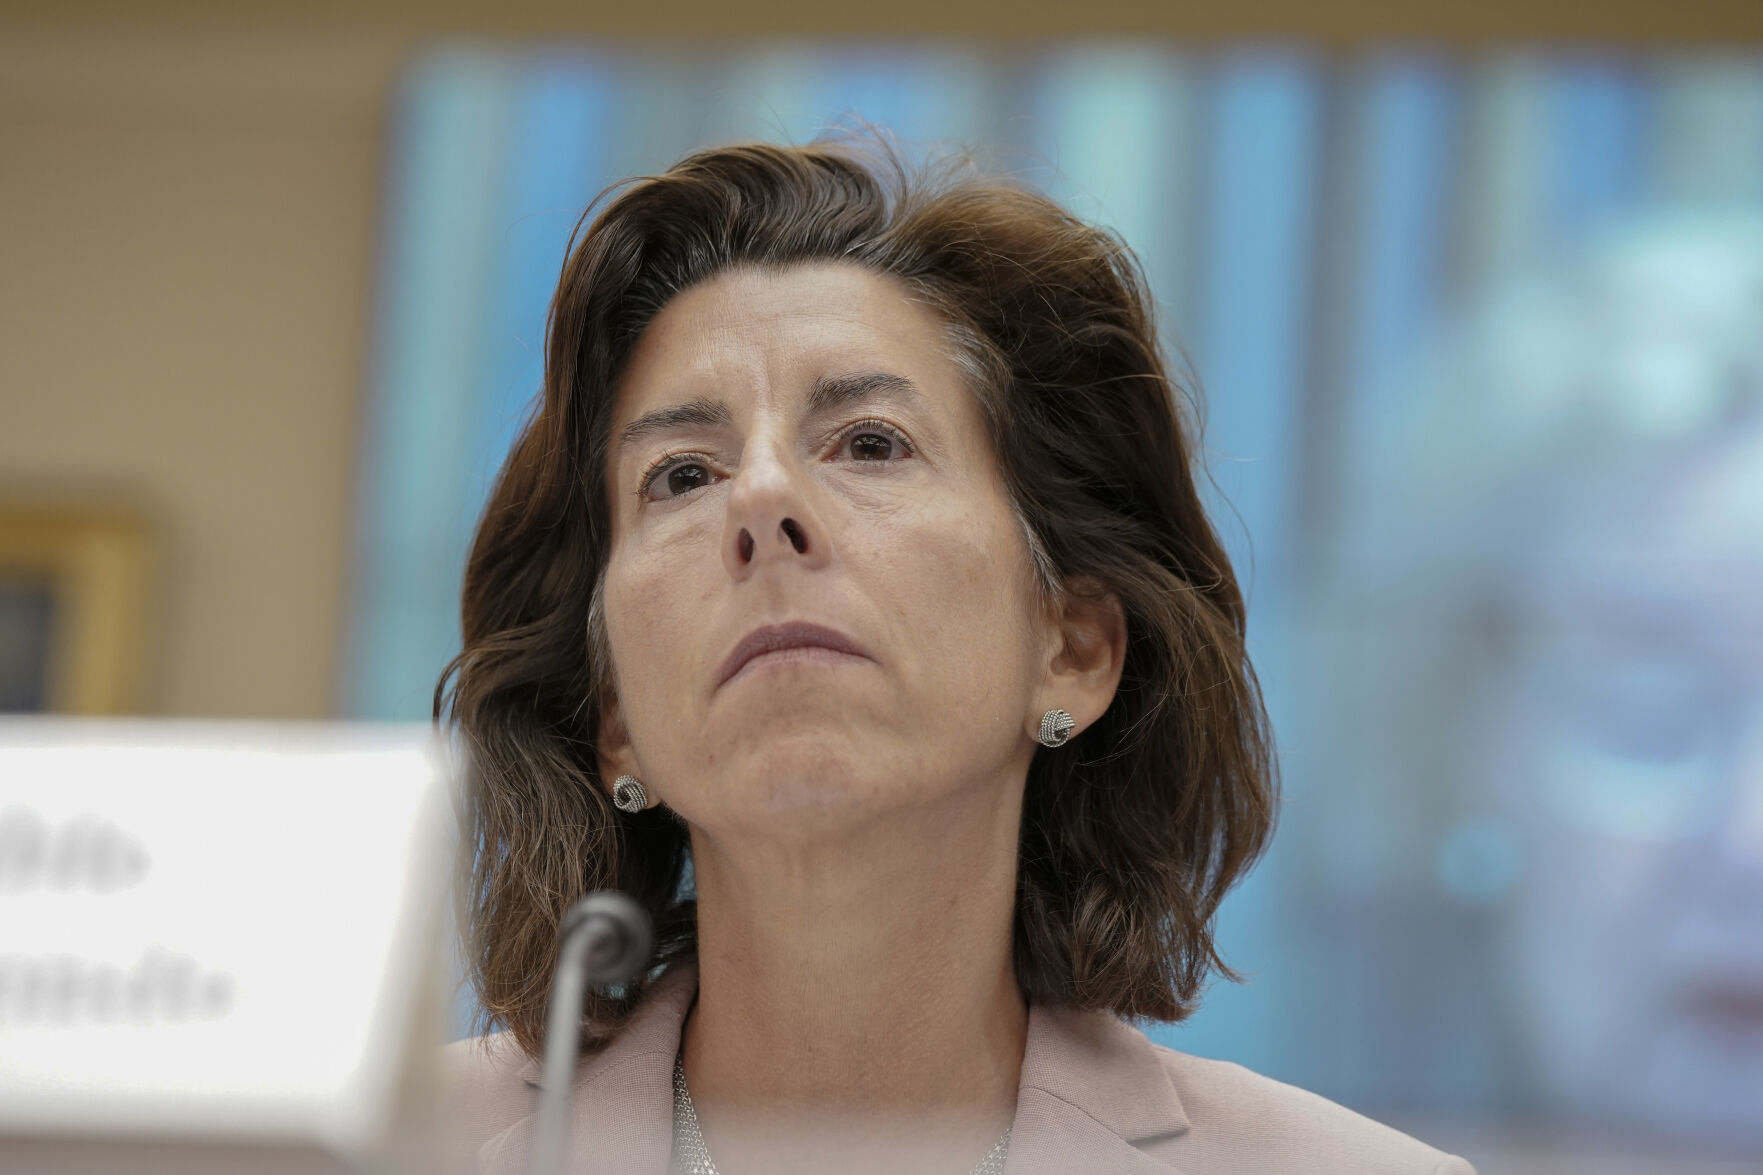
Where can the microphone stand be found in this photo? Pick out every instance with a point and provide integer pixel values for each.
(607, 938)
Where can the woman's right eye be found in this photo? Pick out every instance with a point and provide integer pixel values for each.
(679, 479)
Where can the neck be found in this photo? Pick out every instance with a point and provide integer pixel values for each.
(856, 995)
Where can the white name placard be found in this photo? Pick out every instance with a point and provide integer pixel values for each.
(215, 930)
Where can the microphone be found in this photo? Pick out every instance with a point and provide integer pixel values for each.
(607, 938)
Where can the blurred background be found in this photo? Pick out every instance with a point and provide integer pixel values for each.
(1475, 299)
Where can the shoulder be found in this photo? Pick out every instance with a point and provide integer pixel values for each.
(1241, 1121)
(484, 1087)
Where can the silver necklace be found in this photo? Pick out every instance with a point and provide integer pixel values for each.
(691, 1157)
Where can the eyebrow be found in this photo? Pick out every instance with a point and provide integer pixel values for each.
(829, 394)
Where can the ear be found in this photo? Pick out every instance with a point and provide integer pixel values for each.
(612, 747)
(1088, 654)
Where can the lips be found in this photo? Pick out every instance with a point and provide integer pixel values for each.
(775, 637)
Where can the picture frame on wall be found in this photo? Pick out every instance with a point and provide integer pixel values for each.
(73, 584)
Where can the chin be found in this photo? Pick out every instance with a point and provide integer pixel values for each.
(810, 796)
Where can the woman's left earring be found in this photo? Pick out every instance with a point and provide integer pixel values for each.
(1056, 728)
(628, 794)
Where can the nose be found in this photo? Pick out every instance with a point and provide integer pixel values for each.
(771, 517)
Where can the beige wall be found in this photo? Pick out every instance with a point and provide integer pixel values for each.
(186, 230)
(1335, 22)
(187, 224)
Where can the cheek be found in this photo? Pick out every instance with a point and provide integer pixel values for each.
(652, 598)
(961, 575)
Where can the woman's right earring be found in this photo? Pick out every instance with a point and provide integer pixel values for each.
(1056, 728)
(628, 794)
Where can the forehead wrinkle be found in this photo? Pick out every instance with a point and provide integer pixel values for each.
(864, 378)
(829, 394)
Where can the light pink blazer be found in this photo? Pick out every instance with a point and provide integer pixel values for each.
(1096, 1097)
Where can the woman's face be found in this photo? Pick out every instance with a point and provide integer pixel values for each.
(834, 469)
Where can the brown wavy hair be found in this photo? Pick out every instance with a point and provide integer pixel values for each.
(1131, 835)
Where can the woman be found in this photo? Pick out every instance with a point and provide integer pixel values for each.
(848, 602)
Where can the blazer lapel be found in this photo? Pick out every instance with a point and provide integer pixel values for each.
(621, 1104)
(1093, 1098)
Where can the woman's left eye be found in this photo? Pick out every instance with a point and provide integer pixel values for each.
(873, 440)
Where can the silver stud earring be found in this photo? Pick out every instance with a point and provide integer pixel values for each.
(1056, 728)
(628, 794)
